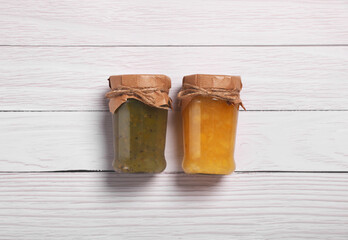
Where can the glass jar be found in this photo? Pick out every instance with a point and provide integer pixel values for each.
(210, 113)
(139, 128)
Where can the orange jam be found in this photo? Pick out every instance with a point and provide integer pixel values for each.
(209, 129)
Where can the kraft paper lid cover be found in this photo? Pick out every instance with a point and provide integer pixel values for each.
(214, 81)
(224, 87)
(152, 89)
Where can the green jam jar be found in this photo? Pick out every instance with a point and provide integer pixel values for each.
(139, 123)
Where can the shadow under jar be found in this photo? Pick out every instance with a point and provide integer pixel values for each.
(139, 122)
(210, 105)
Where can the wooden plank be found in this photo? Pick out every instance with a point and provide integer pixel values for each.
(275, 78)
(175, 22)
(266, 141)
(177, 206)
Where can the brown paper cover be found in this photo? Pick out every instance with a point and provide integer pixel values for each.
(160, 85)
(212, 82)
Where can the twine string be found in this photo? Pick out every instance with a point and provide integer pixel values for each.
(229, 95)
(143, 94)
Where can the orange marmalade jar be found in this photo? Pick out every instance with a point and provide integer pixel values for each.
(209, 105)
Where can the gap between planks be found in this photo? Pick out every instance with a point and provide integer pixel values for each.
(177, 46)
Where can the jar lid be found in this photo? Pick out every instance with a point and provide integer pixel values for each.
(159, 81)
(223, 87)
(151, 89)
(214, 81)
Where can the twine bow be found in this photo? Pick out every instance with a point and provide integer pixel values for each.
(146, 95)
(229, 95)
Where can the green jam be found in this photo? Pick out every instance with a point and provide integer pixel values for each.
(139, 138)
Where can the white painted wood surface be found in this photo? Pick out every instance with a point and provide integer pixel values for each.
(174, 206)
(173, 22)
(266, 141)
(274, 78)
(56, 56)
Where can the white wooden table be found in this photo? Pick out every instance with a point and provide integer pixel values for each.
(55, 129)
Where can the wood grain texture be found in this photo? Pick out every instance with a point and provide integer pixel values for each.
(174, 22)
(302, 67)
(266, 141)
(274, 78)
(107, 205)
